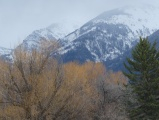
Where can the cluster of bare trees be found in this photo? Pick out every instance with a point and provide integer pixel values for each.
(36, 86)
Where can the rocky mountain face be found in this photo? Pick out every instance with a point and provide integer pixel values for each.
(53, 32)
(5, 53)
(154, 37)
(108, 38)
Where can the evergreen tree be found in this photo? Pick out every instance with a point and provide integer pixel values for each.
(143, 74)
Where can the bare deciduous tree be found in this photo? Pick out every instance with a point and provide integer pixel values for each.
(110, 97)
(33, 87)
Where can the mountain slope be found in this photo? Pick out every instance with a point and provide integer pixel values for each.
(110, 35)
(52, 32)
(5, 53)
(108, 38)
(154, 37)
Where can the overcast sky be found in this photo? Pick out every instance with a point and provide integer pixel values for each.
(18, 18)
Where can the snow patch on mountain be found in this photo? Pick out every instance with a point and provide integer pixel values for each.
(141, 20)
(112, 33)
(53, 32)
(5, 51)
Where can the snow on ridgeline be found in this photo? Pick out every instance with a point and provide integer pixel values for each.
(111, 34)
(55, 32)
(142, 20)
(5, 51)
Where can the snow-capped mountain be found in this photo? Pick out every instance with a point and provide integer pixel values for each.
(110, 35)
(52, 32)
(5, 53)
(108, 38)
(154, 37)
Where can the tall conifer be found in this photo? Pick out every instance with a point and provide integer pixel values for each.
(143, 74)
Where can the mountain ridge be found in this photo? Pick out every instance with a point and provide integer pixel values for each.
(109, 35)
(106, 38)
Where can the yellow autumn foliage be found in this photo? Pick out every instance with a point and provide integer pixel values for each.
(36, 86)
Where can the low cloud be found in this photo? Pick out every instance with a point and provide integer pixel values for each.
(19, 18)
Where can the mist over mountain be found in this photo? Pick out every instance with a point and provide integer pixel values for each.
(107, 38)
(53, 32)
(5, 53)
